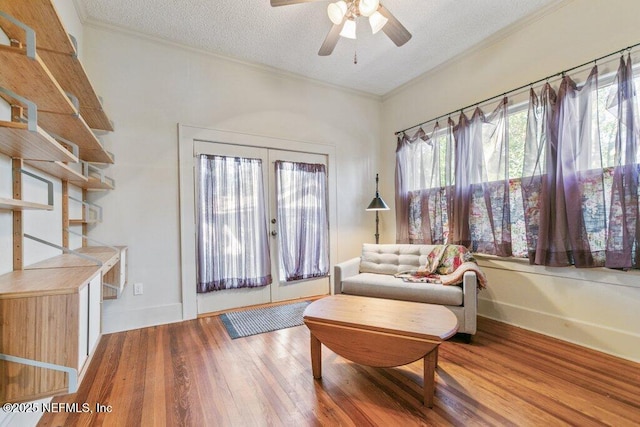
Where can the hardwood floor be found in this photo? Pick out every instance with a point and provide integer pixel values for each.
(193, 374)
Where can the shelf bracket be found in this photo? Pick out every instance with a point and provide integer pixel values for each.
(75, 45)
(88, 168)
(32, 109)
(72, 373)
(75, 101)
(46, 181)
(75, 150)
(114, 287)
(87, 207)
(65, 250)
(29, 33)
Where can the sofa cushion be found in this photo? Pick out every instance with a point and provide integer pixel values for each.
(392, 259)
(386, 286)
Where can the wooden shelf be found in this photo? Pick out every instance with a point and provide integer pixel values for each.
(31, 79)
(94, 184)
(59, 170)
(83, 221)
(106, 255)
(17, 141)
(59, 53)
(70, 73)
(21, 205)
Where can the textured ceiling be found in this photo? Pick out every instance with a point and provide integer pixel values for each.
(288, 37)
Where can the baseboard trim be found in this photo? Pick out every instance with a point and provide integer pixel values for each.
(616, 342)
(114, 320)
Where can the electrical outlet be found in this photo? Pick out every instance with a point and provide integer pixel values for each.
(138, 289)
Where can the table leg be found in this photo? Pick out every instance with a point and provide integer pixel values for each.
(316, 357)
(430, 361)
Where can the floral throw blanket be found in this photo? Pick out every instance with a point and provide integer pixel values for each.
(446, 264)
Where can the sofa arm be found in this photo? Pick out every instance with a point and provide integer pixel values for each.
(470, 301)
(342, 271)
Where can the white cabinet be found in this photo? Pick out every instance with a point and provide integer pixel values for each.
(83, 325)
(89, 319)
(95, 313)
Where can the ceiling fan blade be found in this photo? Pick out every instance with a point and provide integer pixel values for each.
(276, 3)
(331, 40)
(394, 29)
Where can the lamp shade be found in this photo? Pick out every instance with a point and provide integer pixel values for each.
(377, 21)
(349, 29)
(336, 11)
(367, 7)
(377, 204)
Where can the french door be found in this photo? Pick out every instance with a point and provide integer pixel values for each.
(287, 193)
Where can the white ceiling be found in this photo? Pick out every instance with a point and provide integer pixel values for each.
(288, 37)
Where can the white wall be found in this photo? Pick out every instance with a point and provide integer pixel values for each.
(594, 308)
(152, 86)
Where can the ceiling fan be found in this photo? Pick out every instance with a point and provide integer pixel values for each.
(343, 14)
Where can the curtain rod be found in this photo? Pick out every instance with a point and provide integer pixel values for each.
(561, 73)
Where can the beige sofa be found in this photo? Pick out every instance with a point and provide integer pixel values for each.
(372, 275)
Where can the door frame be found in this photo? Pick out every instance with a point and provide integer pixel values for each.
(187, 134)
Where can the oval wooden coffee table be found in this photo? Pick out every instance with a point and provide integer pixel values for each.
(379, 332)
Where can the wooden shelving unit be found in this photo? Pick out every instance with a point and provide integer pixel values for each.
(59, 53)
(31, 79)
(21, 205)
(51, 310)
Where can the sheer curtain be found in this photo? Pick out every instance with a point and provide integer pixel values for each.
(481, 205)
(232, 242)
(624, 215)
(542, 190)
(426, 220)
(303, 227)
(579, 187)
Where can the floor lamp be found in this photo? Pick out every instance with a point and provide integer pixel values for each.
(377, 204)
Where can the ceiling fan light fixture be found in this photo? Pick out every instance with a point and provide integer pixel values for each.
(349, 29)
(368, 7)
(336, 11)
(377, 21)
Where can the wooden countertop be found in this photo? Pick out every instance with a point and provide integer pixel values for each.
(62, 274)
(45, 281)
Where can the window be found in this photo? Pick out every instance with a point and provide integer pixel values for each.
(586, 168)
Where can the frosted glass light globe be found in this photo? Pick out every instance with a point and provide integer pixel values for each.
(336, 11)
(368, 7)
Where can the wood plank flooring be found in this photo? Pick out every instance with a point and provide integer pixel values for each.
(193, 374)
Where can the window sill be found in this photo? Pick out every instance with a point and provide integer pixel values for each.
(601, 275)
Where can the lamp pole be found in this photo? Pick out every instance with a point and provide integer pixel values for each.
(377, 204)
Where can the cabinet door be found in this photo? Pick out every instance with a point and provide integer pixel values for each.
(83, 325)
(95, 313)
(123, 268)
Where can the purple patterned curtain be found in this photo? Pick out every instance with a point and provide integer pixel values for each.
(303, 226)
(580, 184)
(423, 186)
(542, 191)
(624, 220)
(580, 170)
(481, 205)
(232, 242)
(403, 169)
